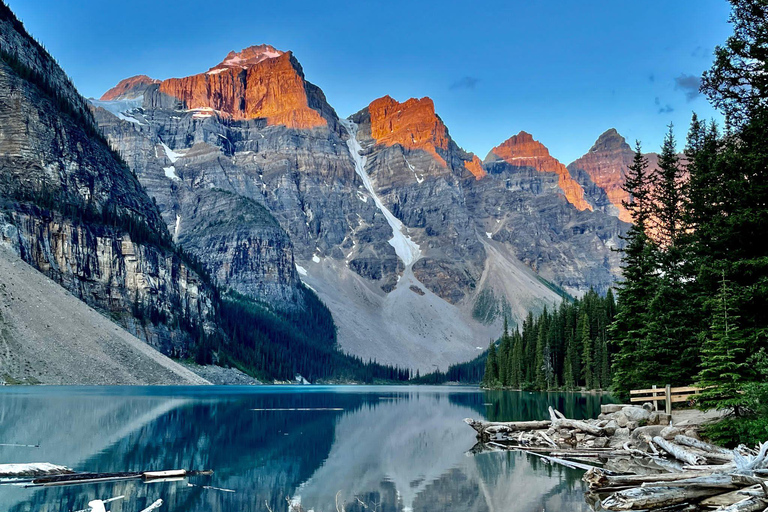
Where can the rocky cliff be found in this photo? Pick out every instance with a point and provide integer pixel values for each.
(129, 88)
(71, 209)
(258, 82)
(603, 169)
(523, 151)
(418, 247)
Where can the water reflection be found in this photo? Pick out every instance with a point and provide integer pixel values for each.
(397, 449)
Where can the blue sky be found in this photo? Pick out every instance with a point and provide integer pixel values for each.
(562, 70)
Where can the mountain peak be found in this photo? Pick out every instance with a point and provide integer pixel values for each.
(129, 88)
(248, 57)
(522, 150)
(520, 146)
(412, 124)
(610, 140)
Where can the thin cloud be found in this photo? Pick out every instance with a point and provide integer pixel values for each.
(689, 84)
(468, 82)
(663, 109)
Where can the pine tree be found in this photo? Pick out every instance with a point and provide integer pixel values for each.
(725, 369)
(491, 377)
(568, 379)
(629, 328)
(541, 352)
(588, 371)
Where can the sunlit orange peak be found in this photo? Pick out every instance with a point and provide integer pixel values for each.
(412, 124)
(522, 150)
(257, 82)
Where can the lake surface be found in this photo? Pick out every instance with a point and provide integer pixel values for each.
(396, 449)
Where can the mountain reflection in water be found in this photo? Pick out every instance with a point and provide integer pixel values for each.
(390, 449)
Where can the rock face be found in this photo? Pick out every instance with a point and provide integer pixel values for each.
(129, 89)
(603, 170)
(605, 165)
(522, 150)
(72, 210)
(256, 83)
(418, 248)
(412, 125)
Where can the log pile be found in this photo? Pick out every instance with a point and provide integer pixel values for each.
(635, 460)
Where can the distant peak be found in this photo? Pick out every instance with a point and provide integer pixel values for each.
(522, 145)
(129, 88)
(248, 57)
(610, 140)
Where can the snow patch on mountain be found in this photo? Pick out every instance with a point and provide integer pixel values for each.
(119, 108)
(405, 248)
(172, 155)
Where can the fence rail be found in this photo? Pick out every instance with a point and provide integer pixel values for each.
(667, 394)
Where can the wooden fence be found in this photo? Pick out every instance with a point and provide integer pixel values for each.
(668, 394)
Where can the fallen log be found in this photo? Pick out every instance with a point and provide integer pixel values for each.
(679, 452)
(645, 498)
(701, 445)
(559, 421)
(32, 469)
(597, 478)
(567, 463)
(156, 505)
(485, 428)
(751, 504)
(91, 478)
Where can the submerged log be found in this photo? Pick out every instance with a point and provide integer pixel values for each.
(679, 452)
(156, 505)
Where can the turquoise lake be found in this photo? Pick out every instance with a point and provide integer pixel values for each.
(369, 448)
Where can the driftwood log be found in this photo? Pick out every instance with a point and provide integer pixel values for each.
(654, 469)
(679, 452)
(648, 498)
(485, 429)
(560, 421)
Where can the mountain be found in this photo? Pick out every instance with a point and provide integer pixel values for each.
(418, 248)
(72, 209)
(603, 169)
(522, 151)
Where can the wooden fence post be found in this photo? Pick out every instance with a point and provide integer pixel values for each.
(655, 400)
(669, 399)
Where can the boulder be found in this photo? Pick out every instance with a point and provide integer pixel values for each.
(632, 425)
(620, 437)
(610, 427)
(659, 418)
(651, 430)
(611, 408)
(670, 432)
(648, 406)
(638, 414)
(621, 419)
(601, 442)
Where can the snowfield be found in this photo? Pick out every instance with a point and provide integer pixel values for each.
(405, 248)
